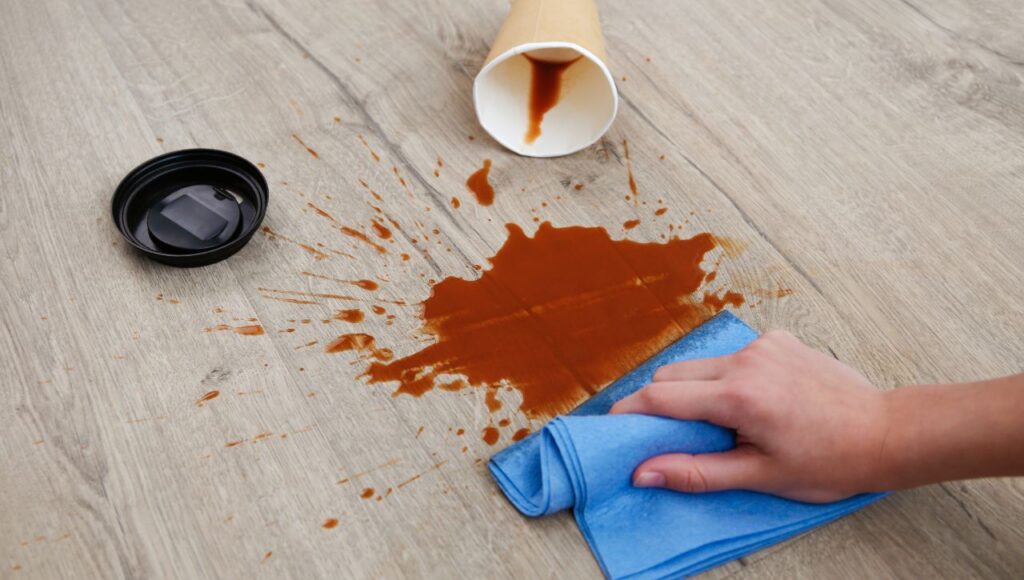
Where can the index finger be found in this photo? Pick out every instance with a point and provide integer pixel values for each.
(693, 400)
(698, 369)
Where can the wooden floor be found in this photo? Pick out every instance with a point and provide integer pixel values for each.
(869, 155)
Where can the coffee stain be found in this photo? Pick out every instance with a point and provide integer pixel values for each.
(731, 247)
(437, 170)
(308, 294)
(373, 193)
(380, 230)
(330, 523)
(361, 343)
(367, 493)
(630, 224)
(309, 149)
(545, 90)
(353, 315)
(291, 300)
(629, 169)
(388, 463)
(660, 211)
(269, 554)
(419, 475)
(247, 330)
(207, 397)
(456, 203)
(368, 148)
(401, 180)
(717, 302)
(520, 434)
(490, 435)
(480, 186)
(321, 212)
(352, 233)
(557, 316)
(491, 400)
(272, 235)
(364, 284)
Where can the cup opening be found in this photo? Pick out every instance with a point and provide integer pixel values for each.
(583, 110)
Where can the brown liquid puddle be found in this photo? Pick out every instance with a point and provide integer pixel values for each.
(545, 89)
(557, 316)
(480, 186)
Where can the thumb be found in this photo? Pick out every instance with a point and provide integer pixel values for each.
(736, 469)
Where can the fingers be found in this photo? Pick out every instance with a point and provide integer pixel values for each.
(737, 469)
(695, 400)
(702, 369)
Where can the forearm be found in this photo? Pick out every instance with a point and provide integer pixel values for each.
(948, 432)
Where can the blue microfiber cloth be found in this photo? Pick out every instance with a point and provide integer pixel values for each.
(585, 461)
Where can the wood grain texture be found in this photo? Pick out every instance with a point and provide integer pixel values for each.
(870, 155)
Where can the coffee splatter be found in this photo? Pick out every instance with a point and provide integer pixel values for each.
(368, 148)
(520, 434)
(456, 203)
(557, 316)
(490, 435)
(353, 315)
(380, 230)
(630, 224)
(367, 493)
(272, 235)
(247, 330)
(479, 184)
(363, 238)
(361, 343)
(309, 149)
(629, 169)
(330, 523)
(207, 397)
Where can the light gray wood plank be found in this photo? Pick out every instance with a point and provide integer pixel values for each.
(868, 154)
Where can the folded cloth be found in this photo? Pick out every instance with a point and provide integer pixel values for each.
(585, 461)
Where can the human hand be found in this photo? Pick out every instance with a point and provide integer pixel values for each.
(807, 426)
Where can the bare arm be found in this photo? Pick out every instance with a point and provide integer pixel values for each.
(811, 428)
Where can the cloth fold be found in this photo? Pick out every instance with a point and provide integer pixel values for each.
(584, 461)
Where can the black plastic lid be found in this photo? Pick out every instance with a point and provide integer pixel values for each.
(192, 207)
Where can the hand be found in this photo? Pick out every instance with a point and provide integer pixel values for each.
(807, 426)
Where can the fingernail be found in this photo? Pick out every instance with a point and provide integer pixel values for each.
(649, 479)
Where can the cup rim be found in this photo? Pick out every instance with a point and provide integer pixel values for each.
(529, 47)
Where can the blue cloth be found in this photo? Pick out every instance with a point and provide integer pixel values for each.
(585, 461)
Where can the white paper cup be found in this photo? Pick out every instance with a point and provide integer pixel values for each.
(554, 31)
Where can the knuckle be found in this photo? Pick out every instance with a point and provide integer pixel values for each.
(663, 373)
(654, 396)
(692, 479)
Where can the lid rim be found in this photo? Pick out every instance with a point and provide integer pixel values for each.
(139, 178)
